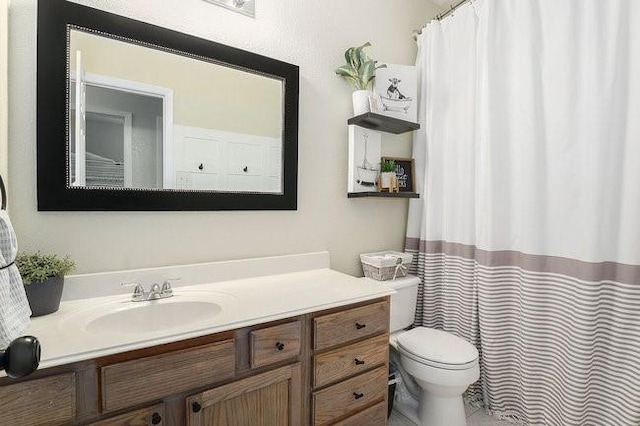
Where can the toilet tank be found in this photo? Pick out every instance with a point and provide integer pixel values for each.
(403, 302)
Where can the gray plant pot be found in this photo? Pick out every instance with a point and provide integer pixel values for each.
(44, 297)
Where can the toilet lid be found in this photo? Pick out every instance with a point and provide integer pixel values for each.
(436, 346)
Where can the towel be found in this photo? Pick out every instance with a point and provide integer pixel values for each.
(14, 307)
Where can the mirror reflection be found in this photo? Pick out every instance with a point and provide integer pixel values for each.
(144, 118)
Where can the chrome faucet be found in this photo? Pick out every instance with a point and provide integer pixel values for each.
(154, 293)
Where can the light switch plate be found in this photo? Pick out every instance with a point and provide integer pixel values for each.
(246, 7)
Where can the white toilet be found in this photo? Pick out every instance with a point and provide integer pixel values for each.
(443, 365)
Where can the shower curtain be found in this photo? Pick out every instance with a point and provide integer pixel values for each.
(527, 235)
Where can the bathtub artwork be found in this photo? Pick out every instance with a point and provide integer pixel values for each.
(397, 89)
(364, 159)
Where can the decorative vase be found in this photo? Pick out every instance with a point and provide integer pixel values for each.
(360, 102)
(44, 296)
(386, 178)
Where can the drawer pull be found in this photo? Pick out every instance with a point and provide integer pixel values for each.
(360, 326)
(156, 419)
(358, 362)
(196, 407)
(280, 346)
(357, 395)
(201, 166)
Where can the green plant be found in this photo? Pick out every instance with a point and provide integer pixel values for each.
(388, 166)
(360, 70)
(37, 267)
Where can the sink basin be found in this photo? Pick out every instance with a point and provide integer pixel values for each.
(184, 312)
(154, 316)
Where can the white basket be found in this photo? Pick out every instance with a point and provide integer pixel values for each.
(383, 265)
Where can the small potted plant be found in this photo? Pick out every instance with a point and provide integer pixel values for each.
(387, 173)
(43, 279)
(359, 71)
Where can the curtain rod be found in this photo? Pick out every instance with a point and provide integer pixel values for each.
(442, 15)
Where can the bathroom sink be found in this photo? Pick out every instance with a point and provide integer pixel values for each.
(154, 316)
(183, 312)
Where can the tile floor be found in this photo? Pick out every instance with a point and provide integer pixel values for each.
(475, 417)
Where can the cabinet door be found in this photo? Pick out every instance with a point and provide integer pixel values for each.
(273, 398)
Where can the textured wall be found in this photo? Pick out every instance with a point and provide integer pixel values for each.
(311, 34)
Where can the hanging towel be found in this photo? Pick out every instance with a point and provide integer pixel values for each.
(14, 307)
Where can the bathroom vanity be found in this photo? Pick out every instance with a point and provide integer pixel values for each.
(302, 348)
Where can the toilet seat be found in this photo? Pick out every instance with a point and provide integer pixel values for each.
(437, 348)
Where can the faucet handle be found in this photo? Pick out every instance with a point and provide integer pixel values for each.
(166, 286)
(138, 291)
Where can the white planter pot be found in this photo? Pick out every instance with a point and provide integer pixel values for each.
(360, 102)
(386, 178)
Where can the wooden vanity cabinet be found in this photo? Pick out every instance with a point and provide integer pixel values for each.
(321, 368)
(351, 366)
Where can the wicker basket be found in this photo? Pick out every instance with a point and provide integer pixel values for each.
(383, 266)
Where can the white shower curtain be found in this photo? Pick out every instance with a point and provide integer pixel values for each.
(528, 231)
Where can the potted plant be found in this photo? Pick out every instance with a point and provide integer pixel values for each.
(359, 71)
(43, 279)
(387, 173)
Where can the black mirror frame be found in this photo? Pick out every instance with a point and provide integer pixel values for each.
(54, 19)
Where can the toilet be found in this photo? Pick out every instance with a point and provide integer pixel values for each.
(443, 365)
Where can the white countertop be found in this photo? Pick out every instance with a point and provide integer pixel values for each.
(244, 302)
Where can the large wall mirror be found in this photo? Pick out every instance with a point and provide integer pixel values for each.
(136, 117)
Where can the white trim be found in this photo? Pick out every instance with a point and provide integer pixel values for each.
(123, 85)
(164, 176)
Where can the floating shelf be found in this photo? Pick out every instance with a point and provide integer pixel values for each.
(383, 194)
(382, 123)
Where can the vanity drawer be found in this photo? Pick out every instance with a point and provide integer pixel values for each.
(49, 401)
(274, 344)
(340, 363)
(349, 396)
(352, 324)
(372, 416)
(147, 379)
(150, 416)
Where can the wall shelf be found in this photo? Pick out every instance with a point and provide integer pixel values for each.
(383, 194)
(382, 123)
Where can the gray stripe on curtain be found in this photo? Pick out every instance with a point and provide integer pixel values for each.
(588, 271)
(556, 347)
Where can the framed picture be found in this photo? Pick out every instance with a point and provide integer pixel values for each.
(364, 159)
(404, 173)
(397, 88)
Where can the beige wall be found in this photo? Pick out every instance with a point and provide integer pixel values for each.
(204, 94)
(311, 34)
(3, 89)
